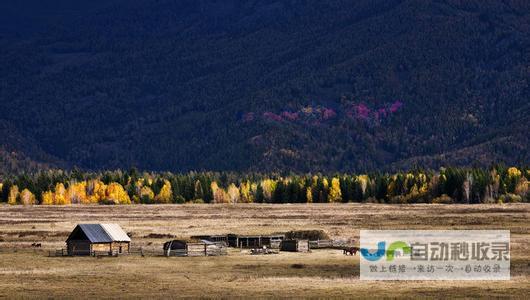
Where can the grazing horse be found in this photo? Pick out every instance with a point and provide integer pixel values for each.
(350, 250)
(36, 245)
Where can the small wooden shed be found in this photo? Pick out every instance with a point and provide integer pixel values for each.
(91, 239)
(254, 241)
(212, 238)
(194, 248)
(295, 245)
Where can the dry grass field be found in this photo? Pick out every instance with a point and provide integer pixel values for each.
(29, 273)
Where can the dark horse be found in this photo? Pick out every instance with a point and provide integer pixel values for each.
(350, 251)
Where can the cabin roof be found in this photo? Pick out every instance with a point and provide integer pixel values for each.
(101, 233)
(208, 242)
(116, 232)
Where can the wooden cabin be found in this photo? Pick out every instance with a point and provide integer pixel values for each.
(294, 245)
(92, 239)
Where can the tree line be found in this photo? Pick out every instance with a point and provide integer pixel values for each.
(448, 185)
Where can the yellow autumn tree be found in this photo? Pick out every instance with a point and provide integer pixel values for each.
(214, 187)
(335, 194)
(77, 193)
(363, 181)
(166, 194)
(117, 194)
(146, 194)
(245, 194)
(12, 198)
(414, 193)
(149, 180)
(60, 195)
(219, 194)
(409, 182)
(423, 185)
(514, 175)
(314, 180)
(136, 197)
(254, 190)
(309, 195)
(27, 197)
(233, 193)
(269, 186)
(47, 198)
(391, 189)
(96, 191)
(522, 187)
(513, 172)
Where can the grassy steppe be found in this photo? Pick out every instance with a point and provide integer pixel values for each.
(29, 273)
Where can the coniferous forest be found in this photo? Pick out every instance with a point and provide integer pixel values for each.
(448, 185)
(358, 90)
(263, 86)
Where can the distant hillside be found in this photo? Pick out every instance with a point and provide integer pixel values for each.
(18, 153)
(268, 85)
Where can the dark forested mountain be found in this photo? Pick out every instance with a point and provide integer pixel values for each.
(265, 85)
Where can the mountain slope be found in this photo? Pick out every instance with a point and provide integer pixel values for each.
(275, 85)
(18, 153)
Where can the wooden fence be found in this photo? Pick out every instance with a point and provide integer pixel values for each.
(64, 252)
(199, 249)
(327, 244)
(193, 249)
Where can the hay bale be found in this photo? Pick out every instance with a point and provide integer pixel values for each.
(312, 235)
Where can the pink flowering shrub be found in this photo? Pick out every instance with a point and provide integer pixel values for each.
(328, 113)
(272, 116)
(396, 106)
(291, 116)
(318, 114)
(363, 111)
